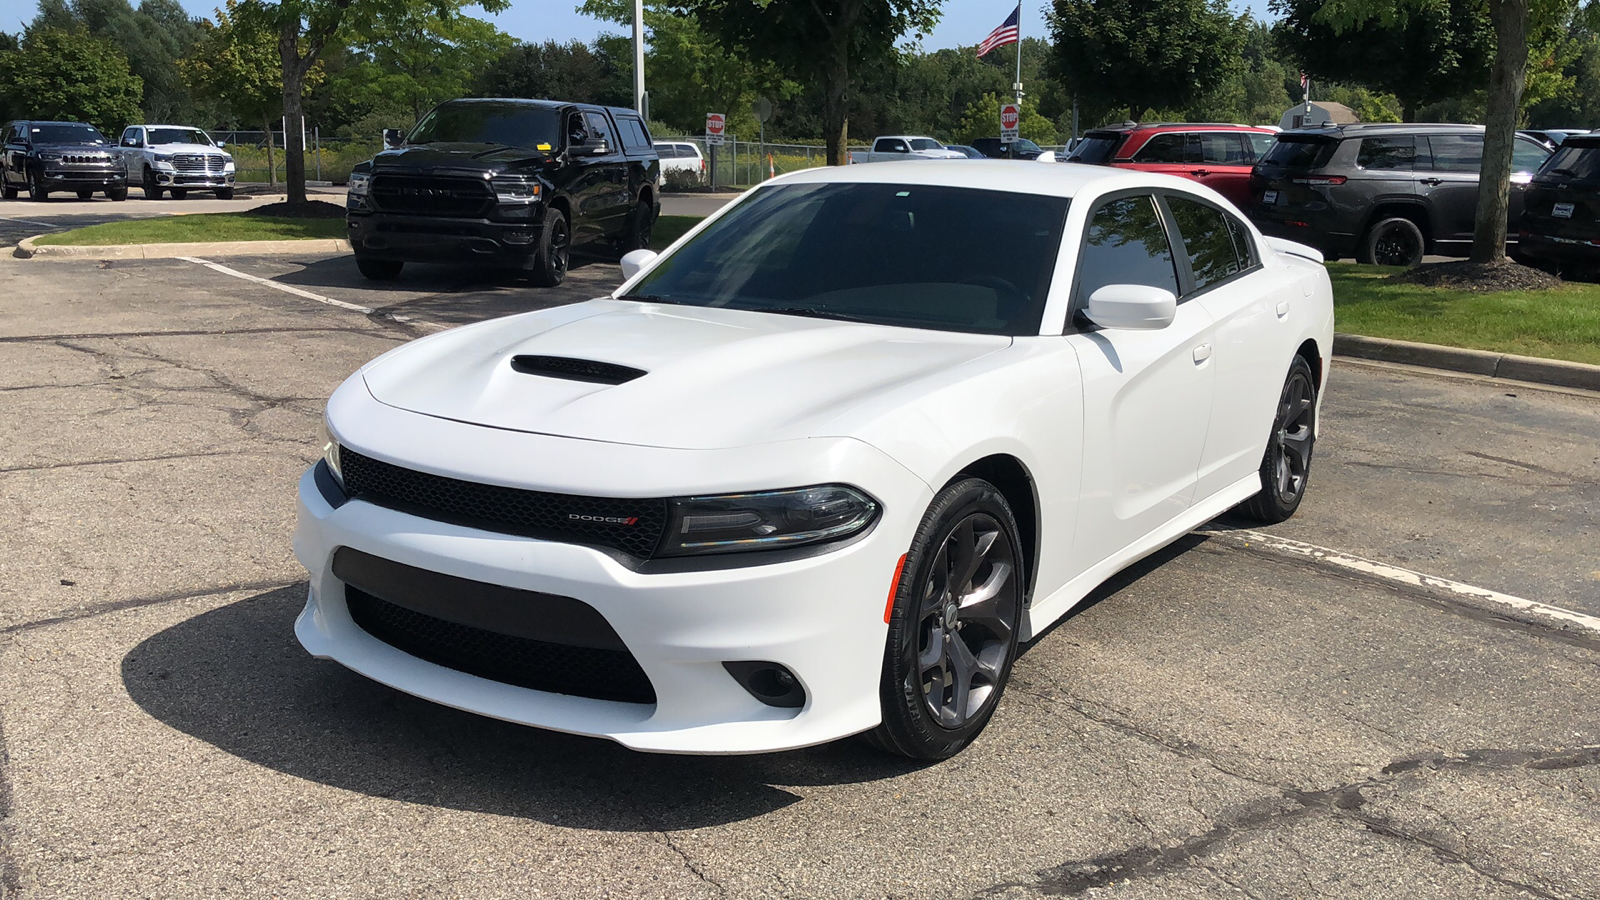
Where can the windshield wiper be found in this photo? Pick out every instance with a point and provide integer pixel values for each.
(810, 312)
(1563, 171)
(651, 298)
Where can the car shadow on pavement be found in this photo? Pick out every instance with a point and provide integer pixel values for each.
(1120, 582)
(236, 678)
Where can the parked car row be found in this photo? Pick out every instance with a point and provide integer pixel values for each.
(43, 157)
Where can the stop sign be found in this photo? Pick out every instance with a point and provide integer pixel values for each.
(715, 123)
(1010, 116)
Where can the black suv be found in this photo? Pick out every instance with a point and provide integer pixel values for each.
(512, 183)
(1385, 194)
(1560, 229)
(41, 157)
(994, 148)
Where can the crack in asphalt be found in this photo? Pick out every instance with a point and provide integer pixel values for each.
(1076, 877)
(690, 864)
(120, 461)
(100, 609)
(225, 332)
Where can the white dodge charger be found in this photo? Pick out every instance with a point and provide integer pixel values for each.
(818, 468)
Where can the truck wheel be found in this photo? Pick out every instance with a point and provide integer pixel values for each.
(152, 190)
(180, 193)
(550, 259)
(637, 237)
(224, 193)
(36, 188)
(86, 195)
(8, 192)
(379, 269)
(118, 193)
(1392, 242)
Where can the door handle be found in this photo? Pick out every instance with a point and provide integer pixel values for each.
(1199, 171)
(1283, 308)
(1202, 353)
(1432, 181)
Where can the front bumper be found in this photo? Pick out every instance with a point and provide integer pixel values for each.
(80, 179)
(821, 616)
(406, 238)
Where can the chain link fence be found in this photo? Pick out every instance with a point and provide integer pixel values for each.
(327, 160)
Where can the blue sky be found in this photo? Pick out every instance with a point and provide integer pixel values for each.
(965, 22)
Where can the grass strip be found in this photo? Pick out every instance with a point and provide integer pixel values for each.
(669, 228)
(1558, 324)
(198, 227)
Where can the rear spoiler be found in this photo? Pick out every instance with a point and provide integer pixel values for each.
(1294, 249)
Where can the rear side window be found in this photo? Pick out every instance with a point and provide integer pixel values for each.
(1223, 148)
(1392, 152)
(1572, 161)
(890, 145)
(1456, 152)
(1166, 148)
(1126, 244)
(667, 151)
(1098, 148)
(1206, 239)
(1297, 152)
(1260, 143)
(1526, 156)
(634, 137)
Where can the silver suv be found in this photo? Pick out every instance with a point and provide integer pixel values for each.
(1385, 194)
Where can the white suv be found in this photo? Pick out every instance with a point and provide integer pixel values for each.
(176, 158)
(681, 156)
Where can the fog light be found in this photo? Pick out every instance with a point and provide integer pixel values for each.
(518, 237)
(768, 682)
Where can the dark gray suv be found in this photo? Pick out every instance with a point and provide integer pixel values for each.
(1385, 194)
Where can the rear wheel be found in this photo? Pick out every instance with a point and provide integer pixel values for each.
(1392, 242)
(1286, 467)
(86, 195)
(224, 193)
(550, 258)
(379, 269)
(640, 224)
(953, 626)
(118, 193)
(152, 188)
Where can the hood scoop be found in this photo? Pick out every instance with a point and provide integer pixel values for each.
(571, 369)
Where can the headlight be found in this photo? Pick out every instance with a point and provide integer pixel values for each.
(51, 155)
(227, 165)
(766, 521)
(360, 182)
(516, 190)
(330, 451)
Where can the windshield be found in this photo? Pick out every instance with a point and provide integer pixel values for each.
(1296, 152)
(508, 124)
(66, 134)
(1574, 162)
(1025, 144)
(159, 136)
(926, 144)
(951, 259)
(1097, 148)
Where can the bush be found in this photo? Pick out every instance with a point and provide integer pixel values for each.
(337, 161)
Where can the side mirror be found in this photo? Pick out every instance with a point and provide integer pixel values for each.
(221, 144)
(577, 138)
(393, 139)
(1047, 156)
(634, 262)
(1136, 307)
(599, 149)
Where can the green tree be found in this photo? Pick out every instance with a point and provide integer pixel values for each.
(414, 57)
(153, 37)
(552, 70)
(236, 65)
(1137, 54)
(71, 75)
(982, 119)
(817, 42)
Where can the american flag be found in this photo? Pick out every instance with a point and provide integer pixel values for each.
(1005, 34)
(1305, 82)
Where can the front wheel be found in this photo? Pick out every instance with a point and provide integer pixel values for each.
(1286, 466)
(953, 626)
(1392, 242)
(550, 258)
(8, 192)
(379, 269)
(180, 193)
(152, 188)
(86, 195)
(117, 193)
(36, 188)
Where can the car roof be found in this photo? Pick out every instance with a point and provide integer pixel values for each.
(158, 125)
(1358, 129)
(1180, 126)
(543, 104)
(1583, 139)
(1014, 176)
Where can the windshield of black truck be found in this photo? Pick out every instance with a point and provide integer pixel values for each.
(919, 256)
(66, 134)
(508, 124)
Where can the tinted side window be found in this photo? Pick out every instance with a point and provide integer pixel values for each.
(1243, 244)
(1526, 156)
(1260, 144)
(1394, 152)
(1205, 239)
(1162, 148)
(633, 136)
(1126, 244)
(1457, 152)
(1226, 149)
(600, 130)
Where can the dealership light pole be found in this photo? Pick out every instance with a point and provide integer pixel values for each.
(641, 100)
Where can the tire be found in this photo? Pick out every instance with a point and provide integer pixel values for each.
(550, 257)
(179, 193)
(379, 269)
(1286, 466)
(86, 195)
(8, 192)
(224, 193)
(1394, 241)
(118, 194)
(640, 223)
(969, 525)
(152, 190)
(36, 188)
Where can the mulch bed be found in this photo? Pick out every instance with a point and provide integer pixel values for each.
(311, 209)
(1483, 277)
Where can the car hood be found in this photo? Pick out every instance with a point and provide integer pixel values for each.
(189, 148)
(713, 378)
(464, 157)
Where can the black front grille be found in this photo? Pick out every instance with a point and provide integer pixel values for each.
(433, 195)
(632, 526)
(540, 665)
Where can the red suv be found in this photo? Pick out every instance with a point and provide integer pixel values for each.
(1217, 156)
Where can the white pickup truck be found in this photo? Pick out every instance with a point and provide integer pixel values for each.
(901, 147)
(176, 158)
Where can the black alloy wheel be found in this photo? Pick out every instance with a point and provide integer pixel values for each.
(379, 269)
(1393, 242)
(552, 256)
(180, 193)
(954, 625)
(7, 192)
(85, 195)
(118, 194)
(152, 188)
(1286, 467)
(36, 188)
(224, 193)
(640, 225)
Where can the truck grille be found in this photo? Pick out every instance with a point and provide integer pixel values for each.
(87, 159)
(197, 164)
(431, 195)
(632, 526)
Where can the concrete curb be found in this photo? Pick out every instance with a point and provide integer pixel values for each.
(27, 249)
(1474, 362)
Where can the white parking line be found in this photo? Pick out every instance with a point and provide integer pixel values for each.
(1552, 615)
(31, 222)
(289, 289)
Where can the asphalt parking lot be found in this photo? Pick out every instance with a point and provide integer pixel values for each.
(1232, 718)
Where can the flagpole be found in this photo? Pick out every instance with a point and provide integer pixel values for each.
(1018, 86)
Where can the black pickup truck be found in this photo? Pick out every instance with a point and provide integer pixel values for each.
(505, 183)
